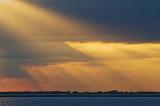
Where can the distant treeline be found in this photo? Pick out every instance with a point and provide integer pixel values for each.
(113, 93)
(76, 92)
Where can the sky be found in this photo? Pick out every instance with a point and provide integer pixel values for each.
(79, 45)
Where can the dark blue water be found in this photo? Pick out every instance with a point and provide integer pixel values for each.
(80, 101)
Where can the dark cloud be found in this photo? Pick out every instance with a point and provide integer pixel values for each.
(126, 20)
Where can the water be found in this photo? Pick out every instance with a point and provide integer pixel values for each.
(80, 101)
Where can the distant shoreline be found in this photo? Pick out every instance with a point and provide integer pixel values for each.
(66, 95)
(79, 94)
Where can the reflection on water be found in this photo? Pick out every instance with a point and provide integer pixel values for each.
(80, 101)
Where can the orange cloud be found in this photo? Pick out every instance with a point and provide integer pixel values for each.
(16, 84)
(112, 66)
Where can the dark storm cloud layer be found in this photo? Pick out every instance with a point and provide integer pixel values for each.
(127, 20)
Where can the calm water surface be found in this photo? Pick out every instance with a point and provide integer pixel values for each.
(80, 101)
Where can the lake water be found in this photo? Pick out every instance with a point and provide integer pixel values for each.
(80, 101)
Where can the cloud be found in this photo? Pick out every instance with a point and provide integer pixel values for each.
(119, 66)
(116, 51)
(40, 37)
(125, 20)
(81, 65)
(20, 84)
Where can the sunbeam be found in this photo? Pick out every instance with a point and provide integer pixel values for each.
(125, 62)
(39, 30)
(38, 23)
